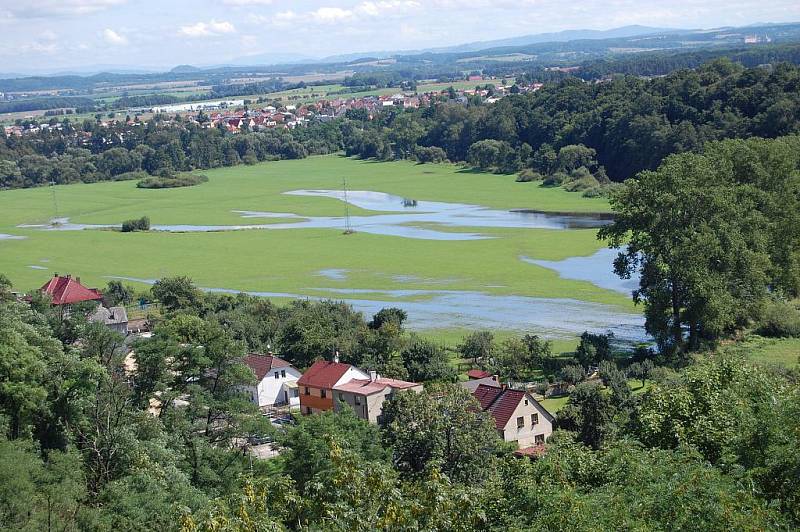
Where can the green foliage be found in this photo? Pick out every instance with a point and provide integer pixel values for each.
(184, 180)
(593, 348)
(442, 427)
(589, 413)
(140, 224)
(478, 346)
(779, 319)
(426, 360)
(176, 293)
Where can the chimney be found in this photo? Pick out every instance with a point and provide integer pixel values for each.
(373, 376)
(336, 356)
(78, 279)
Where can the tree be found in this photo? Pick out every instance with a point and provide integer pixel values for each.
(573, 374)
(117, 293)
(588, 413)
(426, 361)
(478, 346)
(442, 426)
(176, 293)
(641, 370)
(593, 348)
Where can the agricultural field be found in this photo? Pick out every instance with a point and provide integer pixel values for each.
(460, 268)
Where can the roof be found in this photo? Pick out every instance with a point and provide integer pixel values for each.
(478, 374)
(110, 316)
(534, 451)
(68, 290)
(262, 364)
(502, 403)
(473, 384)
(323, 374)
(369, 387)
(486, 395)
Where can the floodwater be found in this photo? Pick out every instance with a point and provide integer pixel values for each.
(436, 309)
(598, 269)
(396, 217)
(5, 236)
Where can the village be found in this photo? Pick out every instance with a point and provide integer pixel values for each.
(282, 391)
(243, 115)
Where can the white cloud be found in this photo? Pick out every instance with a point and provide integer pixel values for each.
(112, 37)
(207, 29)
(330, 15)
(239, 3)
(54, 8)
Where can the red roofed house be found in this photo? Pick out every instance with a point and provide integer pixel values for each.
(517, 415)
(276, 381)
(67, 290)
(478, 374)
(366, 396)
(317, 383)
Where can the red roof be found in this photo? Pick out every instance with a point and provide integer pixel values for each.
(486, 395)
(66, 291)
(534, 451)
(501, 403)
(323, 374)
(478, 374)
(262, 364)
(368, 387)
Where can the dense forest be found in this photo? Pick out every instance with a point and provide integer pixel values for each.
(90, 442)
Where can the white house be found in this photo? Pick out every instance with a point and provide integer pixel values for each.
(276, 381)
(517, 415)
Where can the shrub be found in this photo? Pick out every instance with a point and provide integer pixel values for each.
(142, 224)
(184, 180)
(432, 154)
(779, 319)
(129, 176)
(555, 180)
(582, 183)
(527, 175)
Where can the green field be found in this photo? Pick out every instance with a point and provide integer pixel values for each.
(290, 261)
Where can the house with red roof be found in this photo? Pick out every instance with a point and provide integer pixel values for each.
(317, 383)
(68, 290)
(518, 417)
(366, 396)
(276, 381)
(475, 374)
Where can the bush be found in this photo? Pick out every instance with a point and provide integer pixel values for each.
(142, 224)
(433, 154)
(555, 180)
(779, 319)
(184, 180)
(129, 176)
(527, 175)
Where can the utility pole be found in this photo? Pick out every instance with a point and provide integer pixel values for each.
(348, 229)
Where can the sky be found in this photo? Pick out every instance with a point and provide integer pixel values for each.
(58, 35)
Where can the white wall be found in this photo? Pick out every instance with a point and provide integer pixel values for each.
(271, 390)
(526, 436)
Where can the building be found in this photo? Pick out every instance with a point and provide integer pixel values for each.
(317, 383)
(518, 417)
(366, 396)
(475, 374)
(66, 290)
(276, 381)
(115, 318)
(489, 380)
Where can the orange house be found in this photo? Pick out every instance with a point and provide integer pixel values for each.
(316, 384)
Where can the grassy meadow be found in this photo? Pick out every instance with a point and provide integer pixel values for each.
(291, 260)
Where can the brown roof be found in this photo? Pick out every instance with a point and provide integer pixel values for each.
(486, 395)
(67, 290)
(323, 374)
(262, 364)
(534, 451)
(478, 374)
(501, 403)
(368, 387)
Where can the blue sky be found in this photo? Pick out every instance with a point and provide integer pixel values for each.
(62, 34)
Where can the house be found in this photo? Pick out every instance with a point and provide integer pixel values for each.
(276, 381)
(115, 318)
(518, 417)
(317, 383)
(366, 396)
(66, 290)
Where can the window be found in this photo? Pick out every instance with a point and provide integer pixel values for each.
(341, 397)
(283, 373)
(534, 419)
(526, 402)
(357, 400)
(538, 439)
(520, 422)
(323, 393)
(307, 392)
(276, 374)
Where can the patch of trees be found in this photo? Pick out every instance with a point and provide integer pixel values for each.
(631, 124)
(715, 238)
(90, 441)
(138, 224)
(49, 102)
(176, 181)
(131, 151)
